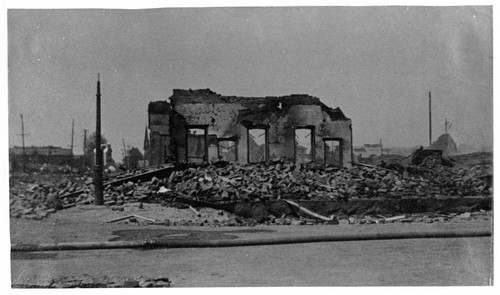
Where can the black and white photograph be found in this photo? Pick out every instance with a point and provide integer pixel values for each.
(248, 145)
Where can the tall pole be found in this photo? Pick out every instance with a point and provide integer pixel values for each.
(126, 155)
(84, 149)
(98, 186)
(22, 135)
(24, 149)
(430, 120)
(72, 135)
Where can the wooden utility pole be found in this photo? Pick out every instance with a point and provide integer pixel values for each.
(430, 120)
(98, 185)
(24, 148)
(72, 136)
(126, 155)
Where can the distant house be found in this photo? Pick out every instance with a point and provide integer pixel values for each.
(41, 155)
(368, 150)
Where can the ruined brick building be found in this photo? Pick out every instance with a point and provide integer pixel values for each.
(203, 126)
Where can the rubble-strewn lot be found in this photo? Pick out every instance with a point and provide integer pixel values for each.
(34, 196)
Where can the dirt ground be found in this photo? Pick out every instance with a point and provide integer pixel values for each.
(362, 263)
(86, 223)
(410, 262)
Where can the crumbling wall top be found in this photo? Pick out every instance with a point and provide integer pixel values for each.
(159, 107)
(335, 114)
(182, 96)
(268, 103)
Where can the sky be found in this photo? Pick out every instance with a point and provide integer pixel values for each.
(377, 64)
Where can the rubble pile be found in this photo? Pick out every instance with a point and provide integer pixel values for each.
(35, 200)
(285, 181)
(253, 183)
(428, 217)
(34, 196)
(129, 192)
(455, 180)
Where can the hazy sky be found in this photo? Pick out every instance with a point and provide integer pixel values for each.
(376, 63)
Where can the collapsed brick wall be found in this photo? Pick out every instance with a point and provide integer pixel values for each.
(229, 118)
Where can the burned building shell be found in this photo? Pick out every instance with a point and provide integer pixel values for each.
(203, 126)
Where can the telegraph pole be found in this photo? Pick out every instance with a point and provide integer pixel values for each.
(430, 120)
(126, 155)
(72, 135)
(22, 135)
(98, 186)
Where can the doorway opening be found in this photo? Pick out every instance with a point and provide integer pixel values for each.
(304, 144)
(257, 145)
(333, 152)
(196, 145)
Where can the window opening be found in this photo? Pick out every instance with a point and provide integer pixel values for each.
(196, 145)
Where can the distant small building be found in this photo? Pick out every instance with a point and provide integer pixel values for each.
(41, 155)
(368, 150)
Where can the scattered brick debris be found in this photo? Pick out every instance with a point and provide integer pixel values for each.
(35, 197)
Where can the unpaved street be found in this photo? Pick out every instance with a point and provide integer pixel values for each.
(454, 261)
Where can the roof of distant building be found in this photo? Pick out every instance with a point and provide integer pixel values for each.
(40, 150)
(372, 146)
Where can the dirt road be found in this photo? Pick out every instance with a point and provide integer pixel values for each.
(428, 262)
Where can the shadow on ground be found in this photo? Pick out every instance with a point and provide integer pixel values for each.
(178, 234)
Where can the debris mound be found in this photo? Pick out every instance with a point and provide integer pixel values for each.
(231, 182)
(285, 181)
